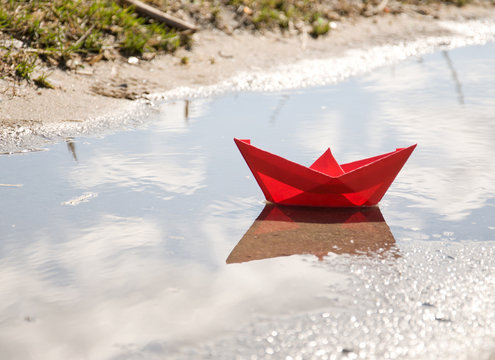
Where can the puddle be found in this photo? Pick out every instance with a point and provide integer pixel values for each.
(156, 242)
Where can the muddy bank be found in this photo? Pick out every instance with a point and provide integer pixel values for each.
(95, 91)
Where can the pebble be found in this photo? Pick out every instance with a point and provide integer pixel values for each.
(133, 60)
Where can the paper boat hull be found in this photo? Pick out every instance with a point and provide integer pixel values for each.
(361, 183)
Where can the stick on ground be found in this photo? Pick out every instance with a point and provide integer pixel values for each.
(159, 15)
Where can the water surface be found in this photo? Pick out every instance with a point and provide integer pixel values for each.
(118, 247)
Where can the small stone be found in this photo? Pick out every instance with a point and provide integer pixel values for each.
(133, 60)
(149, 56)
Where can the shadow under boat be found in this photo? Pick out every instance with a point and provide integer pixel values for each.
(286, 230)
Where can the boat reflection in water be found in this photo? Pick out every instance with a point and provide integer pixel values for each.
(286, 230)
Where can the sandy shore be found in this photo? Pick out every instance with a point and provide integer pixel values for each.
(98, 90)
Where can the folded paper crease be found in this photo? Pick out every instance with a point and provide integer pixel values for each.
(325, 183)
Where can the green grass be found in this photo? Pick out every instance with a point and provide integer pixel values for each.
(277, 13)
(42, 82)
(25, 68)
(84, 27)
(319, 26)
(56, 31)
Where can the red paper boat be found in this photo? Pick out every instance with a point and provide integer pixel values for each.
(325, 183)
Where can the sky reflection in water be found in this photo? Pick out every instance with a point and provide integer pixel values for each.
(118, 247)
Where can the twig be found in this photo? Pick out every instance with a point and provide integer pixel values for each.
(159, 15)
(458, 85)
(83, 37)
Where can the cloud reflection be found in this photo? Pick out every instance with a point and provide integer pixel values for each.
(156, 161)
(452, 172)
(173, 173)
(455, 172)
(114, 290)
(175, 116)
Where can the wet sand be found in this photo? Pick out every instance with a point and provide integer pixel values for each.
(99, 90)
